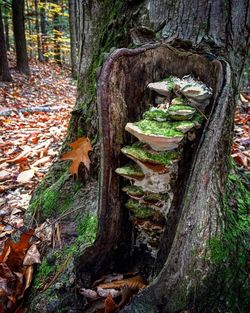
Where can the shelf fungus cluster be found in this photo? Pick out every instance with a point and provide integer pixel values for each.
(153, 160)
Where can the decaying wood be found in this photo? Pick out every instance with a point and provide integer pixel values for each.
(122, 98)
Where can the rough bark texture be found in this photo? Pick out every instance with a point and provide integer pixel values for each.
(4, 68)
(211, 42)
(19, 34)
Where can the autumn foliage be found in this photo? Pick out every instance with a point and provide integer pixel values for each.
(80, 153)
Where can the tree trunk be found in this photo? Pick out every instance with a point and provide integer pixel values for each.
(211, 29)
(39, 45)
(209, 41)
(44, 30)
(56, 30)
(19, 34)
(73, 36)
(4, 67)
(6, 29)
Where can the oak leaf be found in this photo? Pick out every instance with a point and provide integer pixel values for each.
(80, 150)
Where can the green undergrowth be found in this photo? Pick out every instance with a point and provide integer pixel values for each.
(230, 251)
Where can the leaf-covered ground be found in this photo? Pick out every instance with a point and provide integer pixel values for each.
(34, 116)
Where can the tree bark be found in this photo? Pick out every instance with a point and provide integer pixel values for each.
(19, 34)
(4, 67)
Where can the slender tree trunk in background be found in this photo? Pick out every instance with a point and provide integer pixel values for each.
(29, 43)
(6, 30)
(44, 30)
(73, 36)
(57, 46)
(38, 33)
(19, 35)
(4, 67)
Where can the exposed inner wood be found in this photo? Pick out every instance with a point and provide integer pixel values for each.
(122, 98)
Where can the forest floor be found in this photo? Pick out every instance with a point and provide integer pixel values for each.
(34, 116)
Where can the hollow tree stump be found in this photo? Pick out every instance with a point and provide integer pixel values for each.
(122, 98)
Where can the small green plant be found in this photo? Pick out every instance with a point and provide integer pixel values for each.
(44, 270)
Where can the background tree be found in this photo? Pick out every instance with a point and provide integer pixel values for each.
(4, 67)
(73, 28)
(184, 271)
(39, 44)
(19, 35)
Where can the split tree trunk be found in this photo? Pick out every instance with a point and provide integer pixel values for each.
(213, 29)
(19, 34)
(4, 67)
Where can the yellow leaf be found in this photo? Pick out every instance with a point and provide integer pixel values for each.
(80, 153)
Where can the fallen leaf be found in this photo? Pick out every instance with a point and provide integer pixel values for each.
(4, 175)
(28, 277)
(133, 283)
(25, 176)
(32, 256)
(240, 158)
(110, 305)
(81, 148)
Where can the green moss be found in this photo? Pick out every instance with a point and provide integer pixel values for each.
(178, 101)
(87, 228)
(43, 272)
(152, 197)
(131, 170)
(165, 129)
(133, 191)
(174, 108)
(49, 201)
(144, 154)
(230, 251)
(198, 118)
(170, 83)
(155, 115)
(140, 210)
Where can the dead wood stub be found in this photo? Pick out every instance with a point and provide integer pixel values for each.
(122, 98)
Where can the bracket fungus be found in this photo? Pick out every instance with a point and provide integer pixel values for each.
(160, 134)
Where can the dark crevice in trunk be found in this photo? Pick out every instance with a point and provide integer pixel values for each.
(122, 98)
